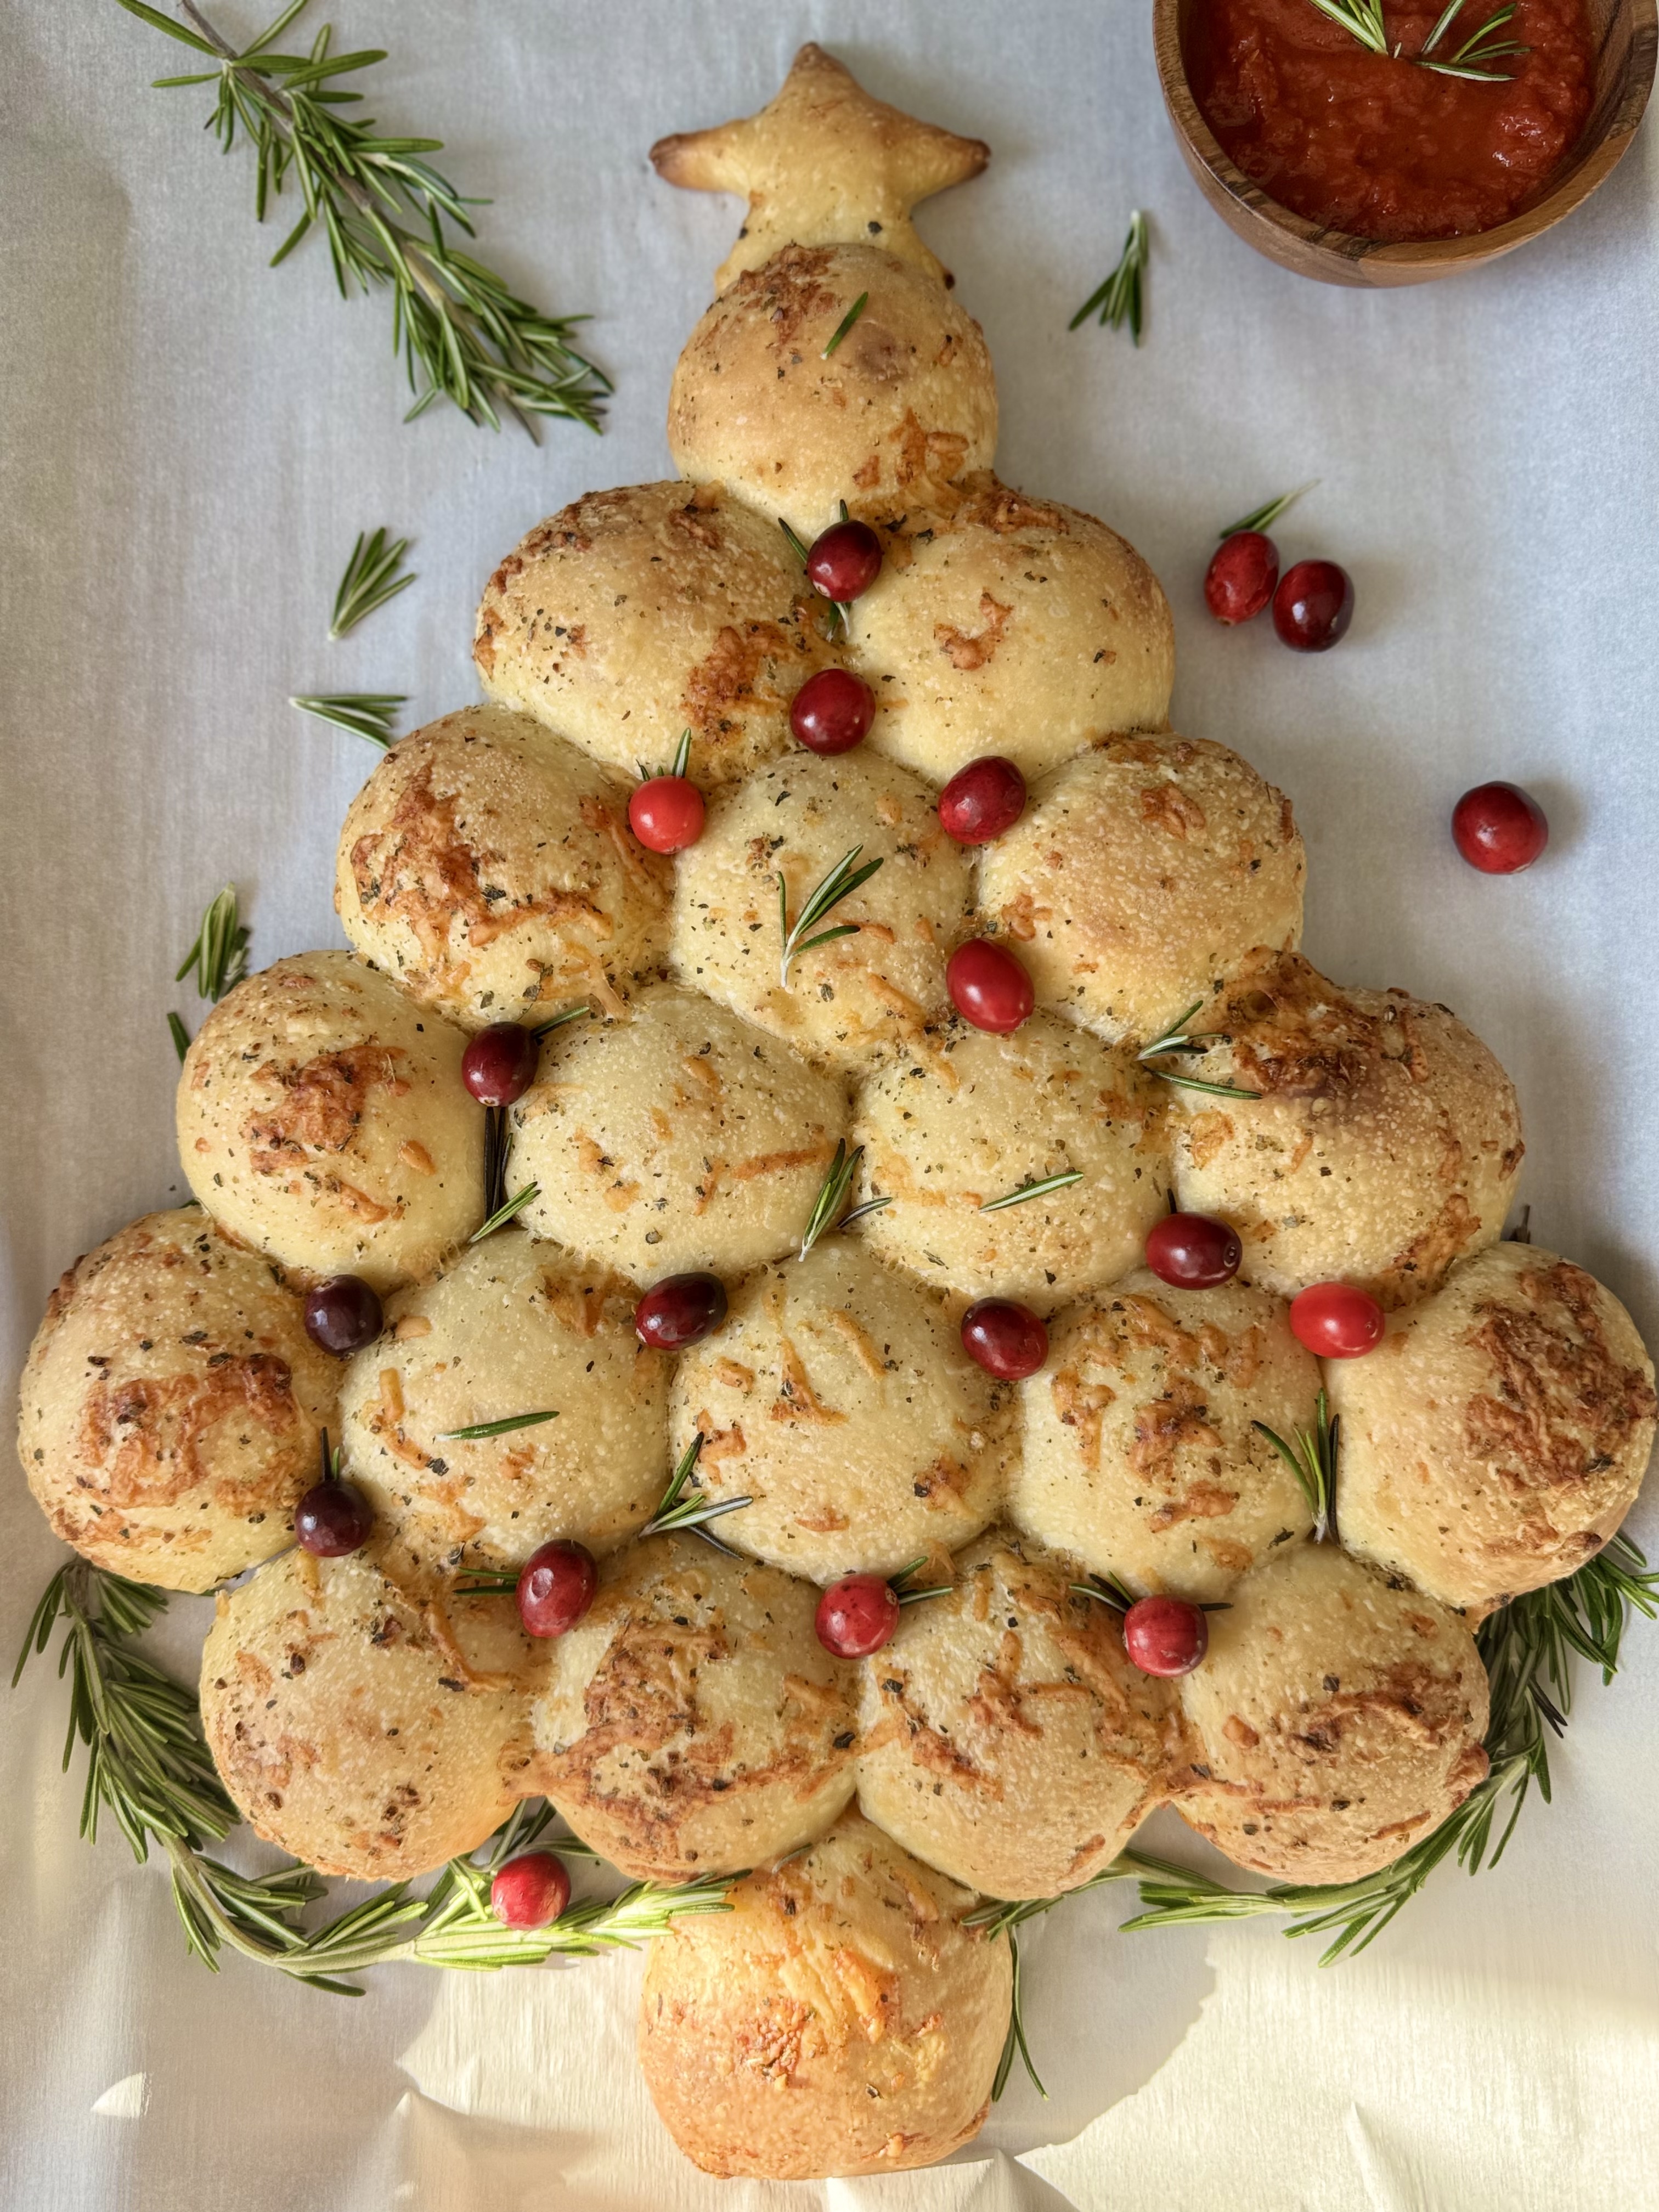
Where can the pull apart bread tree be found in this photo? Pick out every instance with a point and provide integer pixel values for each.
(373, 1715)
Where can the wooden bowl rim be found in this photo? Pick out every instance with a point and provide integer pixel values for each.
(1591, 164)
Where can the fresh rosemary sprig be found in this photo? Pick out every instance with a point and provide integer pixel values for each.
(1120, 299)
(503, 1214)
(368, 714)
(1470, 59)
(1361, 19)
(370, 580)
(841, 882)
(1312, 1460)
(840, 611)
(481, 1429)
(218, 959)
(1263, 517)
(1179, 1038)
(1061, 1181)
(899, 1584)
(847, 323)
(465, 337)
(827, 1207)
(181, 1037)
(680, 1510)
(1526, 1649)
(1003, 1917)
(570, 1014)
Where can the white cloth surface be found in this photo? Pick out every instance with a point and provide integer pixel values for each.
(190, 442)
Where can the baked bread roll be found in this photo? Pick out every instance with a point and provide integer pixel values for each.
(1339, 1718)
(903, 407)
(838, 1399)
(170, 1406)
(691, 1723)
(366, 1735)
(965, 1118)
(1004, 1737)
(1382, 1143)
(488, 866)
(843, 1002)
(322, 1118)
(1013, 626)
(1498, 1436)
(1138, 1450)
(679, 1138)
(1140, 876)
(633, 615)
(516, 1325)
(839, 2020)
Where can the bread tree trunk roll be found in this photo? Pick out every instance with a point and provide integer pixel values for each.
(1004, 1737)
(365, 1733)
(170, 1408)
(1498, 1436)
(691, 1723)
(517, 1326)
(839, 2020)
(1139, 1450)
(1380, 1143)
(1338, 1715)
(489, 866)
(322, 1118)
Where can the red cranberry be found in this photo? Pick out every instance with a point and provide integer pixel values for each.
(1193, 1251)
(531, 1890)
(1337, 1321)
(332, 1519)
(343, 1313)
(857, 1615)
(832, 711)
(981, 800)
(1499, 829)
(844, 561)
(681, 1309)
(1166, 1635)
(1313, 605)
(988, 986)
(556, 1589)
(666, 813)
(499, 1064)
(1241, 576)
(1007, 1340)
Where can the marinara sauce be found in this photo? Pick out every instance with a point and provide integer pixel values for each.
(1371, 144)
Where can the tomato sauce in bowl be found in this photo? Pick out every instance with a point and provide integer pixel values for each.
(1375, 145)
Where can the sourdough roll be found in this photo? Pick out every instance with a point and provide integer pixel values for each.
(905, 406)
(516, 1325)
(322, 1118)
(488, 866)
(845, 1001)
(1013, 626)
(681, 1138)
(837, 1398)
(841, 2019)
(965, 1118)
(1140, 876)
(169, 1409)
(1337, 1717)
(691, 1723)
(1004, 1737)
(633, 615)
(1382, 1144)
(359, 1731)
(1140, 1451)
(1498, 1435)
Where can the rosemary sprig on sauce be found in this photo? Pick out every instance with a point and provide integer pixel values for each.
(1263, 517)
(1360, 19)
(503, 1214)
(371, 578)
(464, 336)
(1472, 58)
(482, 1429)
(368, 714)
(1179, 1038)
(847, 323)
(1312, 1460)
(1120, 299)
(839, 884)
(1061, 1181)
(681, 1508)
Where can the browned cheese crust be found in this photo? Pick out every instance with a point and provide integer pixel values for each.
(170, 1407)
(839, 2020)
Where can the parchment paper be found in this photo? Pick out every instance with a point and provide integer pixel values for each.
(190, 445)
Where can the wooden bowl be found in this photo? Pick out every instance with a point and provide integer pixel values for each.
(1627, 36)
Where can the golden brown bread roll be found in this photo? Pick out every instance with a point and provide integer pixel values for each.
(1498, 1436)
(169, 1410)
(839, 2020)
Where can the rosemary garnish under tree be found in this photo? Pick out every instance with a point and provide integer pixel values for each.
(1122, 298)
(373, 574)
(370, 714)
(217, 960)
(386, 214)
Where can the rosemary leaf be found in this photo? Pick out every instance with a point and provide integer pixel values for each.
(1263, 517)
(1361, 19)
(481, 1429)
(181, 1037)
(1061, 1181)
(570, 1014)
(370, 580)
(840, 611)
(839, 884)
(503, 1214)
(1120, 299)
(847, 323)
(1179, 1038)
(368, 714)
(684, 1508)
(1312, 1461)
(1472, 58)
(827, 1206)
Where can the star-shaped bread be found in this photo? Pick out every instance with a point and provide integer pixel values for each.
(824, 164)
